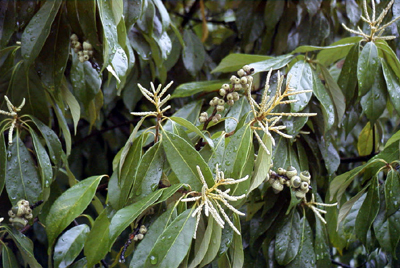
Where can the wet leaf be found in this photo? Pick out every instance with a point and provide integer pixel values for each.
(393, 86)
(366, 140)
(69, 245)
(287, 243)
(193, 53)
(202, 243)
(273, 63)
(235, 61)
(110, 38)
(3, 161)
(367, 67)
(301, 79)
(189, 125)
(8, 257)
(45, 170)
(262, 165)
(69, 206)
(327, 105)
(392, 192)
(189, 89)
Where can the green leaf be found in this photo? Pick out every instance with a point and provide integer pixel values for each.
(3, 162)
(97, 241)
(367, 67)
(153, 233)
(347, 80)
(330, 155)
(168, 192)
(177, 237)
(64, 127)
(334, 91)
(390, 57)
(236, 249)
(235, 61)
(45, 170)
(322, 95)
(306, 256)
(214, 246)
(287, 241)
(374, 102)
(193, 55)
(37, 31)
(329, 56)
(110, 38)
(8, 257)
(132, 12)
(127, 215)
(392, 192)
(24, 245)
(69, 206)
(52, 141)
(217, 155)
(72, 103)
(301, 79)
(321, 242)
(69, 245)
(22, 179)
(273, 63)
(148, 172)
(393, 86)
(185, 123)
(237, 111)
(262, 165)
(86, 13)
(303, 49)
(202, 243)
(350, 205)
(366, 140)
(368, 211)
(183, 159)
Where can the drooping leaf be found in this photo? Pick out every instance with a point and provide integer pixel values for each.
(183, 159)
(236, 250)
(45, 170)
(262, 165)
(325, 100)
(214, 246)
(301, 79)
(127, 215)
(8, 257)
(72, 103)
(110, 38)
(339, 50)
(177, 237)
(24, 245)
(193, 53)
(366, 140)
(273, 63)
(238, 111)
(368, 211)
(233, 62)
(69, 206)
(37, 31)
(392, 192)
(347, 80)
(367, 67)
(202, 243)
(321, 243)
(3, 162)
(69, 245)
(288, 238)
(393, 86)
(185, 123)
(22, 179)
(132, 12)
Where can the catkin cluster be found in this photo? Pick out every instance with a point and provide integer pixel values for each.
(20, 214)
(228, 93)
(289, 177)
(84, 51)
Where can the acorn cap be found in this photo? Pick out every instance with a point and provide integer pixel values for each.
(291, 171)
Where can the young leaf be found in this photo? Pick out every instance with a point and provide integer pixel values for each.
(183, 159)
(300, 79)
(36, 32)
(367, 67)
(177, 237)
(329, 56)
(69, 206)
(22, 179)
(127, 215)
(69, 245)
(287, 243)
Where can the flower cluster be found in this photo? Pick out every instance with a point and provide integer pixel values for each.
(85, 51)
(289, 177)
(376, 30)
(209, 199)
(20, 214)
(228, 94)
(263, 117)
(12, 111)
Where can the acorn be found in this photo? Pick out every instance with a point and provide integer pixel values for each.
(304, 187)
(221, 102)
(281, 171)
(18, 222)
(290, 172)
(295, 181)
(305, 176)
(241, 73)
(74, 37)
(220, 108)
(140, 236)
(142, 229)
(229, 96)
(225, 86)
(87, 46)
(300, 194)
(277, 186)
(222, 92)
(235, 96)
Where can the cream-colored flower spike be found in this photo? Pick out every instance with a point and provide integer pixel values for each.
(263, 110)
(312, 204)
(209, 199)
(12, 111)
(374, 23)
(154, 96)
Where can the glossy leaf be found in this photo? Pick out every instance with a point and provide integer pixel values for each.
(287, 243)
(72, 103)
(193, 53)
(8, 257)
(64, 127)
(329, 56)
(45, 170)
(37, 31)
(3, 162)
(366, 140)
(368, 211)
(187, 124)
(69, 206)
(24, 245)
(236, 249)
(202, 243)
(127, 215)
(262, 165)
(132, 11)
(347, 80)
(301, 79)
(69, 245)
(148, 172)
(233, 62)
(393, 86)
(214, 246)
(97, 241)
(183, 159)
(327, 106)
(22, 179)
(273, 63)
(238, 111)
(177, 237)
(110, 38)
(321, 243)
(392, 192)
(367, 67)
(86, 12)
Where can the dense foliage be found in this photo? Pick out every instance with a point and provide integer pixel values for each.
(275, 145)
